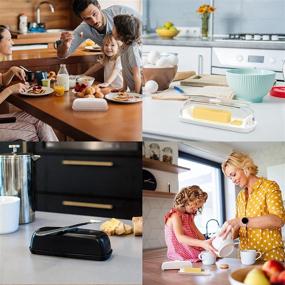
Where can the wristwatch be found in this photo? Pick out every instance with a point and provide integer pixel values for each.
(245, 221)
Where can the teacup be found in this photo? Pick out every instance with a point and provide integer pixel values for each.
(39, 75)
(9, 214)
(224, 247)
(207, 257)
(248, 256)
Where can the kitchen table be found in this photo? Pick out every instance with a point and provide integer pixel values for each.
(152, 274)
(122, 122)
(19, 266)
(161, 121)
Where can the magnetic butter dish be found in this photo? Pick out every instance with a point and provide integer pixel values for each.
(90, 104)
(76, 243)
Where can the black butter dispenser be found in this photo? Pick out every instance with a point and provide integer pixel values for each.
(75, 243)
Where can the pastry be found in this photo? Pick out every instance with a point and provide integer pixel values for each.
(116, 227)
(138, 225)
(223, 266)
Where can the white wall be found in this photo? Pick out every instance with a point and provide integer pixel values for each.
(135, 4)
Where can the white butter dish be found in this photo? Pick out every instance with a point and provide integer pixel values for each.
(90, 104)
(175, 264)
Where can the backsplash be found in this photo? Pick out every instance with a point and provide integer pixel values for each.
(231, 16)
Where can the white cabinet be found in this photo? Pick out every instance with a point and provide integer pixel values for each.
(190, 58)
(135, 4)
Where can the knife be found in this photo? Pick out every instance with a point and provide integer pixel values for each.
(67, 228)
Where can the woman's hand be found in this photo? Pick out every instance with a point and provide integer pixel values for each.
(104, 85)
(207, 245)
(18, 88)
(230, 227)
(19, 72)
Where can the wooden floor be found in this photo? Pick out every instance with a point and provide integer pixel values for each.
(152, 274)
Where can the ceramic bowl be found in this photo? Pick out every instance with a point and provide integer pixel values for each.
(87, 80)
(250, 84)
(224, 246)
(237, 277)
(167, 34)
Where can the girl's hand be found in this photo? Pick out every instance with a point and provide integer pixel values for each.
(207, 245)
(118, 90)
(229, 227)
(104, 85)
(19, 72)
(18, 88)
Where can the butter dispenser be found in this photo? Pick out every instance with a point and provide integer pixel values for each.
(234, 116)
(74, 243)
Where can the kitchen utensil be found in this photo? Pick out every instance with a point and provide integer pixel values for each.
(205, 80)
(39, 75)
(133, 98)
(249, 256)
(277, 91)
(223, 246)
(213, 112)
(24, 68)
(250, 84)
(46, 91)
(182, 75)
(15, 180)
(90, 104)
(9, 214)
(66, 229)
(175, 264)
(238, 276)
(207, 257)
(75, 243)
(149, 181)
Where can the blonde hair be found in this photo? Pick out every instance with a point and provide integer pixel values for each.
(188, 195)
(242, 161)
(104, 58)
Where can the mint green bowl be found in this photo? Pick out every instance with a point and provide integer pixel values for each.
(250, 84)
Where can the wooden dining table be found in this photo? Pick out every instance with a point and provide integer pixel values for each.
(121, 122)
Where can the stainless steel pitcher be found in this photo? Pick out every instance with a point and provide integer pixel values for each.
(15, 180)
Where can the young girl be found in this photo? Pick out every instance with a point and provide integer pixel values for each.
(26, 127)
(184, 241)
(127, 29)
(111, 62)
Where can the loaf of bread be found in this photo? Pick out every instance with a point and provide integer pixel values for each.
(116, 227)
(138, 225)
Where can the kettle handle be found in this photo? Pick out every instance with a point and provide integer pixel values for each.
(14, 147)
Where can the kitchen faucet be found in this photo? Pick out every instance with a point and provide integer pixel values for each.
(38, 10)
(211, 220)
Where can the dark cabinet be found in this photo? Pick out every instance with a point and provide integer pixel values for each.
(89, 182)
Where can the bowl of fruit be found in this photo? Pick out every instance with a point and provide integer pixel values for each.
(271, 273)
(167, 31)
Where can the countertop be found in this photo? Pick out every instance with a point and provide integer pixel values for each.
(161, 121)
(153, 39)
(19, 266)
(152, 274)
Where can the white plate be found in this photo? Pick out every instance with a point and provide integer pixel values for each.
(136, 98)
(47, 90)
(93, 48)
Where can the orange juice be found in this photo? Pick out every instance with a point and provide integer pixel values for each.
(59, 90)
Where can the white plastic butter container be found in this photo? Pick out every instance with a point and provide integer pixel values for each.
(90, 104)
(232, 115)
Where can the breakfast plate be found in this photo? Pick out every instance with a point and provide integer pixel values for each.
(36, 91)
(124, 97)
(93, 48)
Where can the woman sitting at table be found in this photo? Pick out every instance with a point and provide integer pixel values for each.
(26, 127)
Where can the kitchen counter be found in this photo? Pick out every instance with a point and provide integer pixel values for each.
(152, 274)
(19, 266)
(153, 39)
(161, 121)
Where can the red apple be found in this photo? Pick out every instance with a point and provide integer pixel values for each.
(281, 278)
(272, 267)
(274, 280)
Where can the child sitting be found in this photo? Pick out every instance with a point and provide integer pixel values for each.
(184, 241)
(111, 62)
(127, 29)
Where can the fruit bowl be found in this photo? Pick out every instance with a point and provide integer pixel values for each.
(167, 33)
(237, 277)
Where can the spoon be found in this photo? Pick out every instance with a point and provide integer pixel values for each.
(65, 229)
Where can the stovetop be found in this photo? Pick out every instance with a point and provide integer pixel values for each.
(255, 37)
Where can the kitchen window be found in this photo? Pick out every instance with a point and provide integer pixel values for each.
(208, 176)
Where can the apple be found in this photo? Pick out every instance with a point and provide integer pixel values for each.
(168, 25)
(256, 277)
(281, 278)
(272, 267)
(274, 280)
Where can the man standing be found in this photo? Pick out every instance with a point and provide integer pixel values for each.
(96, 23)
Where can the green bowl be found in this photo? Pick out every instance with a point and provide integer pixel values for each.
(250, 84)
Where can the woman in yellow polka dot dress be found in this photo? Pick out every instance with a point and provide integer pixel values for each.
(260, 213)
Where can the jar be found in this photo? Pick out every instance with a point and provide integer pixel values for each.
(23, 23)
(154, 151)
(167, 155)
(62, 77)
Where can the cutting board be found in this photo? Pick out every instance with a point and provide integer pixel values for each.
(205, 80)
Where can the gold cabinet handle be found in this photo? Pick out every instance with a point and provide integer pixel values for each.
(88, 163)
(87, 205)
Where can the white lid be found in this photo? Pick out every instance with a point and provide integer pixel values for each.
(90, 104)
